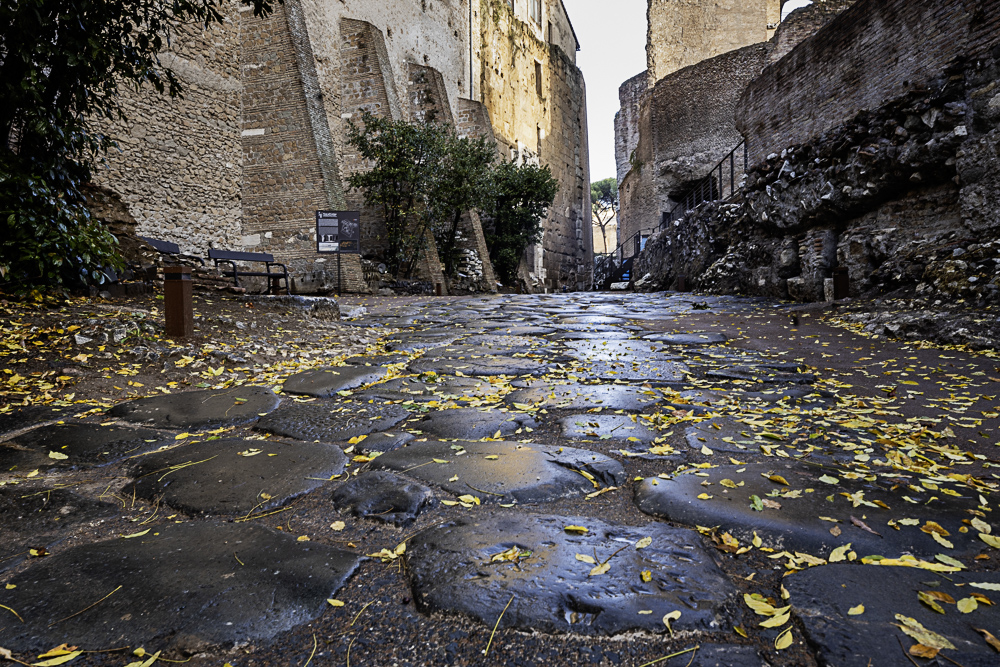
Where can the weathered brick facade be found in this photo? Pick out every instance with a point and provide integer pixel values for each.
(258, 143)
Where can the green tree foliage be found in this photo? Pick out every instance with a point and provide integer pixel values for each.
(461, 182)
(403, 158)
(515, 206)
(61, 65)
(604, 203)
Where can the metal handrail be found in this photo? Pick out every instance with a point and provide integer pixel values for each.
(713, 187)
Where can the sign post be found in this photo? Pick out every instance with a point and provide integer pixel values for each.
(338, 232)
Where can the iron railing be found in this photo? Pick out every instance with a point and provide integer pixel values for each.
(721, 183)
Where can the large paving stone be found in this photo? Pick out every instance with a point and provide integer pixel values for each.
(385, 441)
(585, 397)
(695, 338)
(473, 424)
(760, 374)
(384, 496)
(797, 525)
(326, 382)
(412, 341)
(614, 350)
(26, 416)
(482, 367)
(553, 591)
(822, 597)
(33, 519)
(186, 586)
(433, 388)
(332, 421)
(590, 335)
(721, 434)
(504, 471)
(199, 409)
(76, 444)
(655, 371)
(235, 477)
(608, 427)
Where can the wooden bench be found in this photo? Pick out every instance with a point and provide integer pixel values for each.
(168, 248)
(231, 257)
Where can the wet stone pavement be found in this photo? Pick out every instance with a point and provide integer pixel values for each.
(578, 479)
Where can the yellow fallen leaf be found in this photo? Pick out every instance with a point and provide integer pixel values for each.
(672, 616)
(914, 629)
(491, 457)
(440, 461)
(856, 611)
(840, 553)
(335, 603)
(990, 639)
(302, 538)
(58, 456)
(338, 525)
(61, 660)
(776, 621)
(704, 496)
(784, 640)
(760, 606)
(600, 569)
(967, 605)
(646, 576)
(991, 540)
(586, 559)
(139, 534)
(579, 530)
(706, 451)
(643, 543)
(921, 651)
(778, 479)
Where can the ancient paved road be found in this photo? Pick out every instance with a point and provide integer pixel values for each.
(533, 480)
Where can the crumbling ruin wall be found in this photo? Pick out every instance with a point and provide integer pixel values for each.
(686, 126)
(630, 96)
(903, 196)
(802, 23)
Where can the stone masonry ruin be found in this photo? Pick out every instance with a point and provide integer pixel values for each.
(872, 151)
(257, 143)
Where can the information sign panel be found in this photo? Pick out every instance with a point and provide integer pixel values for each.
(338, 232)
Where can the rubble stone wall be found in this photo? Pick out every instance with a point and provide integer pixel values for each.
(630, 96)
(904, 197)
(803, 23)
(180, 165)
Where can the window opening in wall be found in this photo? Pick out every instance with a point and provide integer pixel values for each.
(539, 136)
(511, 3)
(538, 78)
(550, 32)
(536, 11)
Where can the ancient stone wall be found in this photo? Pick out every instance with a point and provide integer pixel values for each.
(686, 127)
(828, 79)
(180, 163)
(903, 197)
(681, 33)
(536, 100)
(630, 96)
(258, 143)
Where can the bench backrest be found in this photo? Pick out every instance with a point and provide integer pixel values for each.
(165, 247)
(240, 256)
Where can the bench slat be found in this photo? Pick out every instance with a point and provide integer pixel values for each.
(240, 256)
(166, 247)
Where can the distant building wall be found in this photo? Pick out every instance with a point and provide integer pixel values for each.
(535, 97)
(259, 141)
(681, 33)
(627, 122)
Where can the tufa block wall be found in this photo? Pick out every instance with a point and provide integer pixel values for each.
(681, 33)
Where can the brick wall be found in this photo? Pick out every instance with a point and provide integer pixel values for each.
(818, 85)
(686, 125)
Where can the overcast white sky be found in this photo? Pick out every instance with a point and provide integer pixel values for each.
(612, 49)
